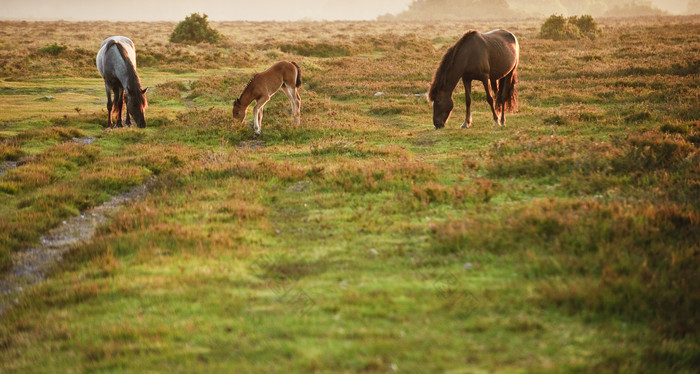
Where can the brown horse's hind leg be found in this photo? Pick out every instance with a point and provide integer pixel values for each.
(468, 99)
(489, 99)
(501, 98)
(496, 91)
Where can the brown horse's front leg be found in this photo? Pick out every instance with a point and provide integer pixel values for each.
(489, 99)
(468, 100)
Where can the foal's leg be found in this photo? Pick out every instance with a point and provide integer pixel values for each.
(298, 98)
(258, 114)
(292, 101)
(468, 99)
(489, 99)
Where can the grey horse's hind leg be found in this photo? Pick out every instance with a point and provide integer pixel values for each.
(109, 106)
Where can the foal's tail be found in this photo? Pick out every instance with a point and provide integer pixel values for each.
(298, 82)
(507, 95)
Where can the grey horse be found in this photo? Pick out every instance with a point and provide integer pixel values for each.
(116, 62)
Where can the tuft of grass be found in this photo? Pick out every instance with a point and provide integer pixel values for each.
(11, 152)
(652, 150)
(53, 49)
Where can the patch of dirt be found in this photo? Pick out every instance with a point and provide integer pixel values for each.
(252, 144)
(300, 186)
(31, 266)
(86, 141)
(6, 166)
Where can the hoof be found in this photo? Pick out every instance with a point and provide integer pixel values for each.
(465, 125)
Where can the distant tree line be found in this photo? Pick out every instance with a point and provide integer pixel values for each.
(481, 9)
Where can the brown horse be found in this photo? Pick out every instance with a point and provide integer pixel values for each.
(491, 58)
(285, 75)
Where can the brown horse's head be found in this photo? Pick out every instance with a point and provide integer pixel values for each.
(238, 111)
(442, 107)
(136, 103)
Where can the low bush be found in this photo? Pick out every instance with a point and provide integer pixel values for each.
(195, 29)
(558, 27)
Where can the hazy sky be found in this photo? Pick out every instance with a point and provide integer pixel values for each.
(219, 10)
(176, 10)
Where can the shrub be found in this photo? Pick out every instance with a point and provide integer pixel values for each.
(195, 29)
(53, 49)
(587, 25)
(557, 27)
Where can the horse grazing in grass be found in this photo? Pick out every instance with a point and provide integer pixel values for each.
(116, 62)
(491, 58)
(285, 75)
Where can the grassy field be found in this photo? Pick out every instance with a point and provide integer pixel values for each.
(361, 240)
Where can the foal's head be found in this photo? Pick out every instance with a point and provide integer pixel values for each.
(238, 111)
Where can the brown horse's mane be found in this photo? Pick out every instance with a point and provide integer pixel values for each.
(440, 77)
(134, 81)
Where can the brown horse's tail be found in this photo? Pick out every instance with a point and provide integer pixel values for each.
(507, 95)
(298, 82)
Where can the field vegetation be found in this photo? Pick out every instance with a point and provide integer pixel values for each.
(361, 240)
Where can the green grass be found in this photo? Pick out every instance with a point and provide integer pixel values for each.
(363, 240)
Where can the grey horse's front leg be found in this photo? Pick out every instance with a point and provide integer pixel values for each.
(126, 105)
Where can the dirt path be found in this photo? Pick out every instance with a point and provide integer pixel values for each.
(31, 266)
